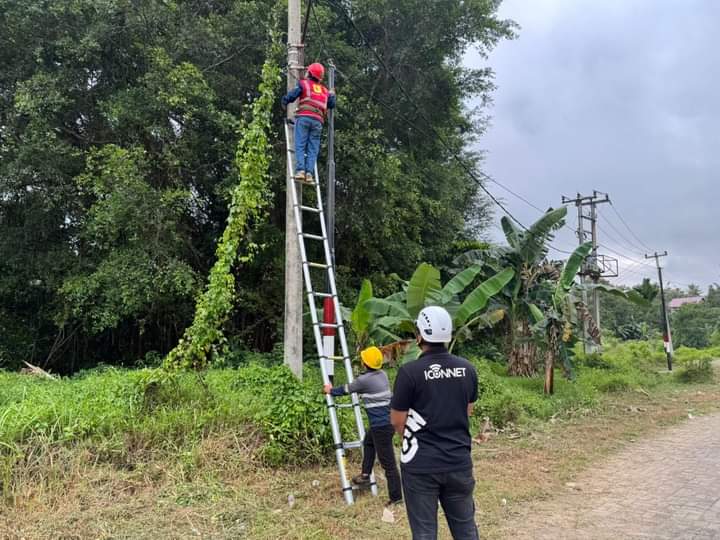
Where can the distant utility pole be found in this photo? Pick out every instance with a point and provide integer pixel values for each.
(664, 321)
(590, 267)
(293, 265)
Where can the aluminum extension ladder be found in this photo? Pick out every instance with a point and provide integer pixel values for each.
(299, 210)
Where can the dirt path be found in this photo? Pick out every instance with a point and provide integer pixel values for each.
(665, 487)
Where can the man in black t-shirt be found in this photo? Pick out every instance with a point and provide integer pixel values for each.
(431, 404)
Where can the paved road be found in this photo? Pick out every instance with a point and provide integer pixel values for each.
(666, 487)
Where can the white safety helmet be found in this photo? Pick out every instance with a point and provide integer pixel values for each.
(434, 325)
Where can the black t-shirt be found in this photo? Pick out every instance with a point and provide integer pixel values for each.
(435, 390)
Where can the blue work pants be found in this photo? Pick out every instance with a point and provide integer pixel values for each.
(307, 143)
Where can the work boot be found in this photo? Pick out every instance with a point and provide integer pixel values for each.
(361, 480)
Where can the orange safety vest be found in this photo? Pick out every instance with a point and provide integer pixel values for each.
(313, 100)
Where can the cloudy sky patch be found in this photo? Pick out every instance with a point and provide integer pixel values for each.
(619, 96)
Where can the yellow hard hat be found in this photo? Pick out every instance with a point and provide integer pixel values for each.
(372, 357)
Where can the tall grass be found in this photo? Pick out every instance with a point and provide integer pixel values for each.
(117, 412)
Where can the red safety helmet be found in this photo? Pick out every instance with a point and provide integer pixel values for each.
(316, 70)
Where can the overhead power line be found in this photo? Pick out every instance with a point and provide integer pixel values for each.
(628, 227)
(414, 124)
(625, 243)
(422, 115)
(611, 238)
(468, 170)
(624, 255)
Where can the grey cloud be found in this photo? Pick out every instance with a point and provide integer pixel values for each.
(619, 96)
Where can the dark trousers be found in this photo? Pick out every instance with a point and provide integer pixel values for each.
(378, 441)
(454, 491)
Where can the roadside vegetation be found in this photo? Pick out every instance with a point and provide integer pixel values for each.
(185, 440)
(142, 393)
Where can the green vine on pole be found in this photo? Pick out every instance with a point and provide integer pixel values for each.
(204, 341)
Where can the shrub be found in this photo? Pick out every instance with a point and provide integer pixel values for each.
(695, 365)
(504, 399)
(291, 413)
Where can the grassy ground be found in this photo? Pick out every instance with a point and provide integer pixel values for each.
(168, 462)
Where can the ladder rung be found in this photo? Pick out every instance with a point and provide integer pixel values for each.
(345, 405)
(312, 236)
(329, 325)
(321, 294)
(318, 265)
(335, 357)
(352, 444)
(310, 209)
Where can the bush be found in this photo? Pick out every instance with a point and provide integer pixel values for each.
(695, 365)
(628, 356)
(169, 409)
(292, 414)
(504, 399)
(119, 412)
(694, 324)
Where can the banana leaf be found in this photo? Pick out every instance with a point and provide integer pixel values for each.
(478, 298)
(360, 317)
(534, 242)
(536, 313)
(382, 306)
(631, 295)
(570, 270)
(458, 283)
(424, 285)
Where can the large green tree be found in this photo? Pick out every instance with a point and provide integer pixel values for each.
(118, 128)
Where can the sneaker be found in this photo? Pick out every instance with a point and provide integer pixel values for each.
(300, 176)
(361, 480)
(309, 179)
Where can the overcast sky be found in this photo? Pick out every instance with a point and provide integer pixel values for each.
(620, 96)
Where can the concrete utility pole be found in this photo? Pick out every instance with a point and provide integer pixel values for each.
(590, 267)
(293, 265)
(664, 321)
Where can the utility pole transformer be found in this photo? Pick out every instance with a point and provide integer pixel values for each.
(664, 320)
(293, 334)
(590, 267)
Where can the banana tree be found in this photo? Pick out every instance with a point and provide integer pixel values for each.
(363, 324)
(534, 278)
(556, 321)
(397, 313)
(566, 313)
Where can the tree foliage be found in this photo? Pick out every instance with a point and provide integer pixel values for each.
(693, 325)
(118, 130)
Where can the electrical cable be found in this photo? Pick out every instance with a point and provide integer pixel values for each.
(616, 242)
(628, 227)
(306, 21)
(440, 138)
(437, 135)
(624, 256)
(632, 246)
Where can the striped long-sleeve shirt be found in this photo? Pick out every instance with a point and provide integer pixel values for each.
(374, 389)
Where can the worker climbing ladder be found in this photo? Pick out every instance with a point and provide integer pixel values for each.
(318, 324)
